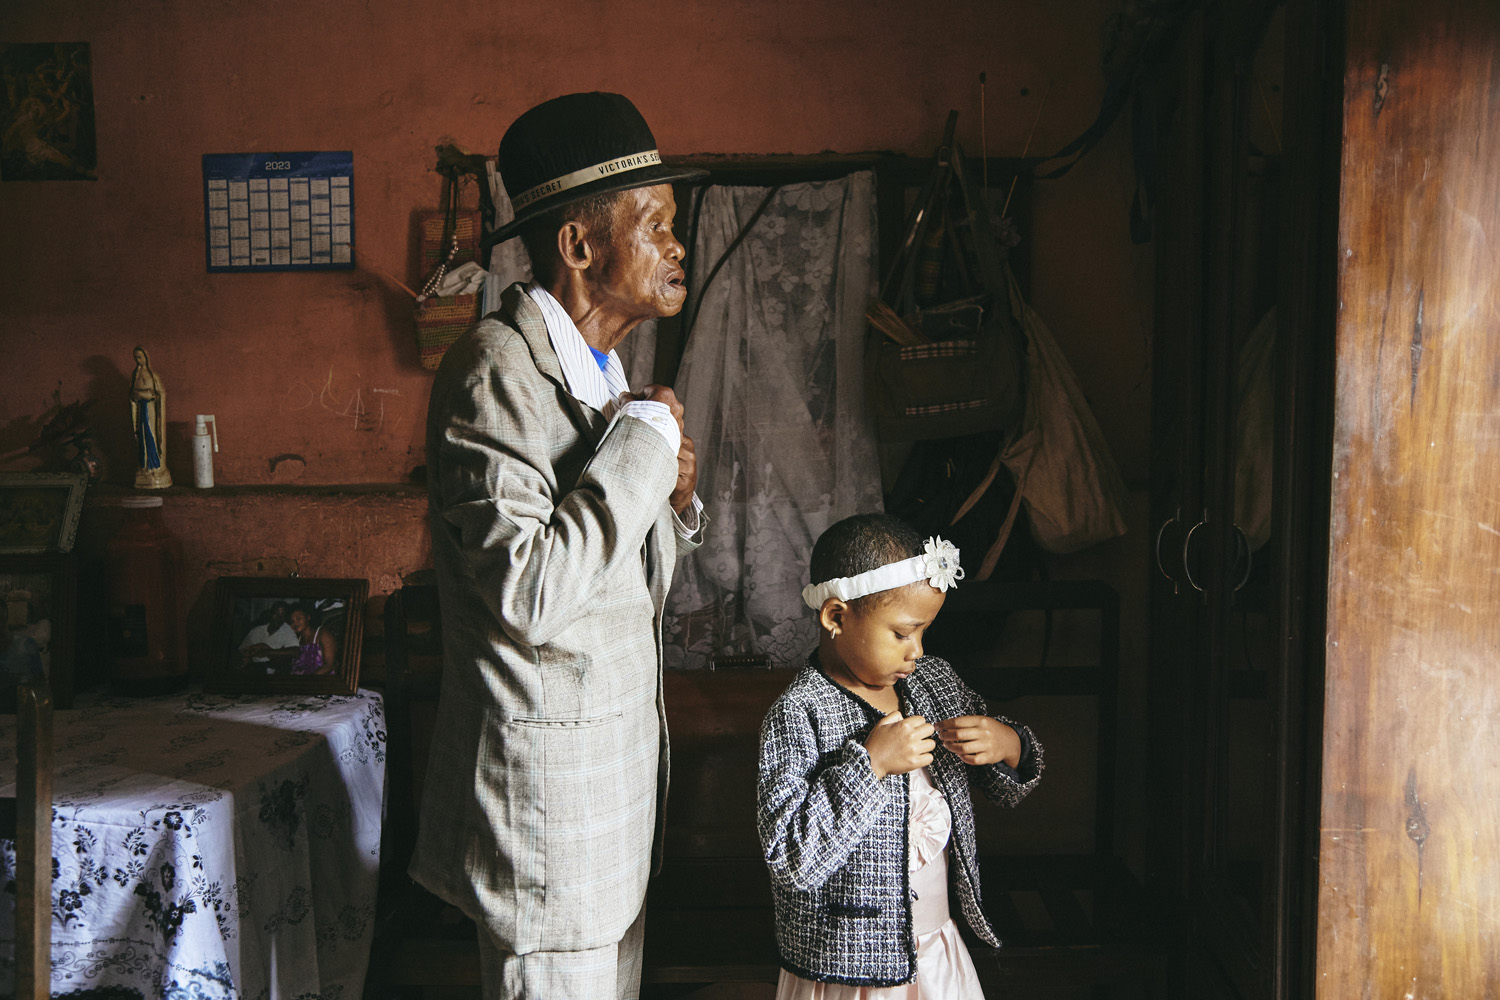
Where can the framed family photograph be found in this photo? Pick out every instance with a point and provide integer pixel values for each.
(286, 635)
(39, 636)
(39, 510)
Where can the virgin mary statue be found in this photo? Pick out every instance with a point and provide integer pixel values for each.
(148, 406)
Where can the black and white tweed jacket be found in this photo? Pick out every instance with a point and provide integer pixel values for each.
(835, 837)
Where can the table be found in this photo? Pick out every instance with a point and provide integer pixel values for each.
(211, 847)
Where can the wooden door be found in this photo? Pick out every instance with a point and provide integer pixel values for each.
(1236, 494)
(1409, 880)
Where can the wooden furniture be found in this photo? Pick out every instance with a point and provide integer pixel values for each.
(1326, 711)
(1246, 107)
(1410, 799)
(708, 914)
(1068, 920)
(420, 941)
(26, 820)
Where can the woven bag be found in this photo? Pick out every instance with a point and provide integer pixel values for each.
(450, 238)
(441, 319)
(946, 356)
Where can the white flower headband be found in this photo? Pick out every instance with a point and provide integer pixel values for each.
(938, 565)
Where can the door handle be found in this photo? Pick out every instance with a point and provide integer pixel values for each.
(1176, 518)
(1187, 541)
(1161, 565)
(1249, 557)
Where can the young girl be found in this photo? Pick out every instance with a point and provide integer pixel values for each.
(865, 766)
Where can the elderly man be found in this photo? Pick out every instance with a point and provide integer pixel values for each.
(559, 503)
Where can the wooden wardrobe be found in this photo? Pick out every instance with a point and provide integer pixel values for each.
(1325, 613)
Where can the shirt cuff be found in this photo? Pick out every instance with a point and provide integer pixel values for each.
(690, 521)
(659, 416)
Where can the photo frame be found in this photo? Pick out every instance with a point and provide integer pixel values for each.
(38, 594)
(286, 635)
(39, 511)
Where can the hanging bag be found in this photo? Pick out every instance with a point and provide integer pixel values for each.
(1061, 463)
(449, 240)
(945, 354)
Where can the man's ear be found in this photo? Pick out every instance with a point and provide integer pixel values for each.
(833, 616)
(573, 246)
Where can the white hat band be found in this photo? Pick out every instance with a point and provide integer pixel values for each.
(599, 171)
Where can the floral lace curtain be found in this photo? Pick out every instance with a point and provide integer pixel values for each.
(773, 387)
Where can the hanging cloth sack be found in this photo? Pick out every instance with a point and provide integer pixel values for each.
(945, 353)
(1063, 468)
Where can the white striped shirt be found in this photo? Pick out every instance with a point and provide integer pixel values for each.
(601, 388)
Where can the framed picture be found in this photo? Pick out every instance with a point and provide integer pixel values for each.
(47, 112)
(39, 635)
(39, 510)
(286, 635)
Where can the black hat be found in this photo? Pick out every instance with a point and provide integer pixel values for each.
(576, 146)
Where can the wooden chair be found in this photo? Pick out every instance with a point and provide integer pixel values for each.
(27, 820)
(420, 942)
(708, 913)
(1075, 922)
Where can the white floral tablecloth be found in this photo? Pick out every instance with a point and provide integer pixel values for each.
(208, 847)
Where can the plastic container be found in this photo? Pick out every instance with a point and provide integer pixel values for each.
(147, 635)
(204, 448)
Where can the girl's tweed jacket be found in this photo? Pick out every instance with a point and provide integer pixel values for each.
(835, 837)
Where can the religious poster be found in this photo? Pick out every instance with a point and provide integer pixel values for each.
(47, 119)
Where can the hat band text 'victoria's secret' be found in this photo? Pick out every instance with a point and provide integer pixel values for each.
(598, 171)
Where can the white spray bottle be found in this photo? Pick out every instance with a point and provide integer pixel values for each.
(203, 451)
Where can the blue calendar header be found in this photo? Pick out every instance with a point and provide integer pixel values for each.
(279, 211)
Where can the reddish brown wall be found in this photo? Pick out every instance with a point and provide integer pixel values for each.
(314, 377)
(323, 366)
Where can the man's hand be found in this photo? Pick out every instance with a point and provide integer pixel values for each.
(687, 458)
(979, 739)
(898, 745)
(661, 394)
(687, 476)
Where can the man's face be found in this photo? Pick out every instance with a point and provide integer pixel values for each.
(278, 615)
(640, 270)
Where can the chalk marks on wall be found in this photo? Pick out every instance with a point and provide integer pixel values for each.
(364, 406)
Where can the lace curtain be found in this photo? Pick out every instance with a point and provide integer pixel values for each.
(773, 388)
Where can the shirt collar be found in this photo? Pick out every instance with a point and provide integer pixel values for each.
(586, 382)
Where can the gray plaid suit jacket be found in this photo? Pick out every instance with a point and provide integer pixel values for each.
(554, 547)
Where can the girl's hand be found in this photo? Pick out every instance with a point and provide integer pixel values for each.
(897, 745)
(979, 739)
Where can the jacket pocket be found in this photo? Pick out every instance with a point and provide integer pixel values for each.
(585, 820)
(598, 720)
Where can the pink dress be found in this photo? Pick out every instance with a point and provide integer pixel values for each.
(944, 969)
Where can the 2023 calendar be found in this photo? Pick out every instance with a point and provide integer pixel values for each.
(279, 211)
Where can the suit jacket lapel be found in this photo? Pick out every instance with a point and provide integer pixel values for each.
(526, 316)
(660, 549)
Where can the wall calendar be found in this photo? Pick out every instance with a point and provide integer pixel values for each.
(279, 211)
